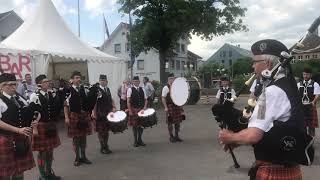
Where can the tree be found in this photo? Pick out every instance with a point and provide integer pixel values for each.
(160, 23)
(242, 66)
(211, 70)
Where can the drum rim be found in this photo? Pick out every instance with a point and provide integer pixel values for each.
(147, 115)
(188, 91)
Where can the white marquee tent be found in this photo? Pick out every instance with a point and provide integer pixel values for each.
(56, 51)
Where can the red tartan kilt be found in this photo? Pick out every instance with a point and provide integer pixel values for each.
(312, 119)
(9, 164)
(73, 130)
(277, 172)
(133, 120)
(101, 126)
(41, 142)
(174, 114)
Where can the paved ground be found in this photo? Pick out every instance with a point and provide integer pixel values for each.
(199, 157)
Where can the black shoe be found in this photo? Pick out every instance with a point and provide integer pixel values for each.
(105, 151)
(173, 139)
(141, 143)
(52, 176)
(136, 144)
(178, 139)
(85, 161)
(76, 163)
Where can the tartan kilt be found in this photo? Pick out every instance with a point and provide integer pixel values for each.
(101, 125)
(267, 171)
(174, 114)
(41, 142)
(73, 130)
(10, 164)
(133, 119)
(310, 116)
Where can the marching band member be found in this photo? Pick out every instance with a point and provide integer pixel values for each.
(15, 131)
(104, 105)
(225, 92)
(47, 138)
(309, 91)
(136, 101)
(174, 113)
(77, 117)
(281, 108)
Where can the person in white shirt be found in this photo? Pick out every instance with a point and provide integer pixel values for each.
(277, 114)
(309, 92)
(149, 89)
(26, 87)
(136, 101)
(225, 92)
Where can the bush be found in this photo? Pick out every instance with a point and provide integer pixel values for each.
(238, 83)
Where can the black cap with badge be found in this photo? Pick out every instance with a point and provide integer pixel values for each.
(268, 47)
(136, 78)
(40, 78)
(6, 77)
(103, 77)
(75, 73)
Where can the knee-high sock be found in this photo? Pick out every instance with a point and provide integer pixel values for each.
(83, 145)
(135, 133)
(76, 146)
(49, 160)
(106, 139)
(140, 131)
(5, 178)
(170, 129)
(41, 163)
(177, 129)
(17, 177)
(101, 139)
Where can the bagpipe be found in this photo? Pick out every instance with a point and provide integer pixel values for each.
(284, 142)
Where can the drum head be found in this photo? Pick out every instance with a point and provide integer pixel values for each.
(147, 112)
(117, 116)
(180, 91)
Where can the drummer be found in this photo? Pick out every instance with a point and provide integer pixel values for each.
(136, 101)
(174, 112)
(225, 92)
(104, 105)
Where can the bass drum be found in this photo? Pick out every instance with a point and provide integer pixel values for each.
(195, 87)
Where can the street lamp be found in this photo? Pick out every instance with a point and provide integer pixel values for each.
(191, 66)
(185, 67)
(167, 65)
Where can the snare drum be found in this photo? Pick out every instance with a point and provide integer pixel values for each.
(117, 123)
(148, 118)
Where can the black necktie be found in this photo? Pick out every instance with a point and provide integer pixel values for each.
(13, 99)
(47, 96)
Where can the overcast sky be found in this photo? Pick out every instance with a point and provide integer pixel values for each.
(285, 20)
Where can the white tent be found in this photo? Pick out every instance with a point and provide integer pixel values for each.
(55, 50)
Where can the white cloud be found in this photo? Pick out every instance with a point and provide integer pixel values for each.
(97, 7)
(286, 21)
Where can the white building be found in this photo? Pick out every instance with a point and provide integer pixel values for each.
(148, 63)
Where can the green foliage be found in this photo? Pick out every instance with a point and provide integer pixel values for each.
(239, 81)
(298, 66)
(160, 23)
(212, 67)
(242, 66)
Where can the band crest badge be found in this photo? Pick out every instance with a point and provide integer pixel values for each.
(288, 143)
(263, 47)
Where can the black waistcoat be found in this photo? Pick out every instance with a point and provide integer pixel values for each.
(310, 90)
(78, 100)
(295, 122)
(104, 103)
(49, 107)
(224, 93)
(137, 97)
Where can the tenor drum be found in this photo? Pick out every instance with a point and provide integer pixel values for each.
(147, 118)
(117, 121)
(185, 91)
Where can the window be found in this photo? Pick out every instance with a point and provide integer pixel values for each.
(307, 57)
(128, 47)
(230, 53)
(222, 61)
(183, 48)
(172, 64)
(315, 56)
(178, 48)
(293, 57)
(117, 48)
(221, 53)
(140, 64)
(230, 62)
(224, 54)
(299, 57)
(183, 63)
(177, 65)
